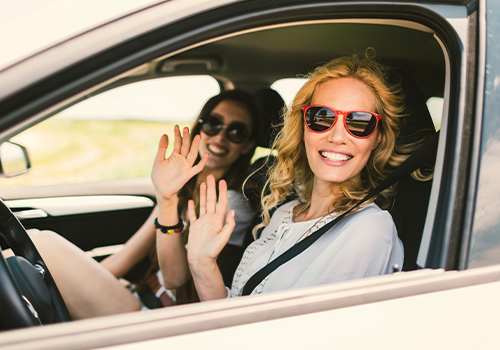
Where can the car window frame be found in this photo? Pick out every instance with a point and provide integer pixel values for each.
(228, 23)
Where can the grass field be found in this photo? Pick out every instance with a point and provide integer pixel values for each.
(77, 151)
(74, 151)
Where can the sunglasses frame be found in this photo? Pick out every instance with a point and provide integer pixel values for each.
(224, 127)
(344, 114)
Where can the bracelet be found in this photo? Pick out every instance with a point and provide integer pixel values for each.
(169, 229)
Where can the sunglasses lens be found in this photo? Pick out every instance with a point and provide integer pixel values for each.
(361, 124)
(319, 118)
(237, 132)
(211, 126)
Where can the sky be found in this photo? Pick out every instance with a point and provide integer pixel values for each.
(30, 25)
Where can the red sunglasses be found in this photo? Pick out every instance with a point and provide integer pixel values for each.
(360, 124)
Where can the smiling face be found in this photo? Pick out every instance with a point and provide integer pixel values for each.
(222, 152)
(335, 156)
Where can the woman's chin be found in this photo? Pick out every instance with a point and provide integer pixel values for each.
(217, 164)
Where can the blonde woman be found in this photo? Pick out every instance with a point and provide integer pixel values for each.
(337, 142)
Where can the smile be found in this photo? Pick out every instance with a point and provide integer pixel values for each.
(219, 151)
(335, 157)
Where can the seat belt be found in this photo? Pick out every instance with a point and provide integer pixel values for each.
(424, 155)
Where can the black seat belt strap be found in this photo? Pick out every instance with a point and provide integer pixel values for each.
(423, 156)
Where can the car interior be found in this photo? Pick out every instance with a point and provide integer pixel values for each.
(253, 60)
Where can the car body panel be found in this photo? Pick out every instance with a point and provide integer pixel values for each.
(383, 300)
(392, 324)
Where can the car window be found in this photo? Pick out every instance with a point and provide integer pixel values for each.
(113, 135)
(435, 106)
(288, 88)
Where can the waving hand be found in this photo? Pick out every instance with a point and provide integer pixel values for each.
(208, 234)
(171, 174)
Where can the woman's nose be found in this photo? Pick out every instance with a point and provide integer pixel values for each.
(221, 135)
(338, 134)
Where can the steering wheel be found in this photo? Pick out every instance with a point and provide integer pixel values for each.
(28, 293)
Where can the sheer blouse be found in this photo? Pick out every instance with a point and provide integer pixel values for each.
(360, 245)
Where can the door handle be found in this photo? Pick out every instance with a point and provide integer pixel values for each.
(30, 214)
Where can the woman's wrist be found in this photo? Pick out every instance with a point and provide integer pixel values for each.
(167, 212)
(167, 202)
(207, 279)
(202, 267)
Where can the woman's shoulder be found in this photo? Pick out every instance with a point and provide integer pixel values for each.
(281, 215)
(238, 202)
(373, 212)
(372, 209)
(373, 219)
(284, 210)
(288, 206)
(236, 196)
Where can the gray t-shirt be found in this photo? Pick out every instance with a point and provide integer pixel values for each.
(243, 216)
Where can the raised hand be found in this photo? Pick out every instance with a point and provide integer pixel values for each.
(171, 174)
(209, 233)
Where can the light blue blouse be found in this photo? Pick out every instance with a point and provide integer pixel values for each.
(360, 245)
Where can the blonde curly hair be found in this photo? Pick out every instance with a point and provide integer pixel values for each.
(291, 173)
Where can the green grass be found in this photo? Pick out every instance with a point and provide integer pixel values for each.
(73, 151)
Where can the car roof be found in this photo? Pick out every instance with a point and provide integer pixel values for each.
(258, 59)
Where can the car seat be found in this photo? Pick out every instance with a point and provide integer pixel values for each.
(412, 199)
(271, 105)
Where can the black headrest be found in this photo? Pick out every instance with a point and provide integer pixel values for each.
(418, 122)
(271, 104)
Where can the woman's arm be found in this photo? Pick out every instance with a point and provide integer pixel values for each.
(207, 236)
(172, 255)
(169, 175)
(134, 250)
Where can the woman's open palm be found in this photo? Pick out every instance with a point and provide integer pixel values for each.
(170, 174)
(209, 233)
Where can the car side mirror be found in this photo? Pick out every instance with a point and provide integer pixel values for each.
(14, 159)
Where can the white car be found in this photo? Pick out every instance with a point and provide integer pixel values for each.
(94, 72)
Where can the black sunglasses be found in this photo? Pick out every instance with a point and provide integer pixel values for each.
(236, 132)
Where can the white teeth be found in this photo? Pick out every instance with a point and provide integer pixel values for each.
(335, 157)
(217, 150)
